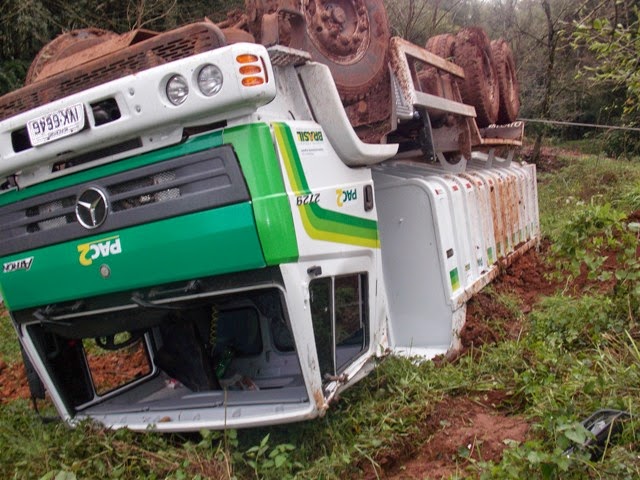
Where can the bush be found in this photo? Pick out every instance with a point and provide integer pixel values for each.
(622, 143)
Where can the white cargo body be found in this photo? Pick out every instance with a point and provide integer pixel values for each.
(438, 244)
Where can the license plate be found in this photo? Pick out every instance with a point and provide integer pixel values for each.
(57, 124)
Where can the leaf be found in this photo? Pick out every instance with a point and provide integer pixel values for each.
(605, 276)
(375, 442)
(548, 471)
(464, 452)
(280, 460)
(64, 475)
(577, 433)
(534, 457)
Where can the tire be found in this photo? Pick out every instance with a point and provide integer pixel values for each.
(472, 52)
(351, 37)
(236, 35)
(441, 45)
(63, 46)
(507, 82)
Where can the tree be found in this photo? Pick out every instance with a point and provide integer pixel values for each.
(614, 39)
(540, 34)
(417, 20)
(27, 25)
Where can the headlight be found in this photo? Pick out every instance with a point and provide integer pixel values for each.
(177, 89)
(210, 80)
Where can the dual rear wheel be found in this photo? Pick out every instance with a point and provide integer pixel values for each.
(490, 83)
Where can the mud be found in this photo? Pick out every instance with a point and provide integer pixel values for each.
(462, 429)
(459, 428)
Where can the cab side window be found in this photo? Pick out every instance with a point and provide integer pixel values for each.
(339, 310)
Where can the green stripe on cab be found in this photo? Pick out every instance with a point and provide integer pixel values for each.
(321, 223)
(254, 146)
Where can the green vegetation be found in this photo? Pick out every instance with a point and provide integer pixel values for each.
(579, 351)
(588, 180)
(9, 348)
(616, 46)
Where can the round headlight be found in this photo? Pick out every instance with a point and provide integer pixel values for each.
(210, 80)
(177, 89)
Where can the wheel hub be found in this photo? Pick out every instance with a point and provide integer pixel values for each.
(340, 29)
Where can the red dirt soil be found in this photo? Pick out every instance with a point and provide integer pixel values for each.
(479, 428)
(524, 278)
(13, 382)
(461, 429)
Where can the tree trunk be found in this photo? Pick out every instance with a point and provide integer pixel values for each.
(551, 44)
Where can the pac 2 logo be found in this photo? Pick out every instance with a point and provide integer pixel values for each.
(99, 249)
(344, 196)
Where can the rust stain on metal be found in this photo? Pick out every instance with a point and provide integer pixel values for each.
(373, 108)
(503, 199)
(82, 52)
(318, 398)
(351, 37)
(150, 52)
(514, 210)
(401, 69)
(339, 29)
(64, 45)
(495, 217)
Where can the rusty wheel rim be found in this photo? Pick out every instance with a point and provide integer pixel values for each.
(339, 29)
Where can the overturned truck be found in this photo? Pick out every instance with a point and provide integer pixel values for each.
(248, 215)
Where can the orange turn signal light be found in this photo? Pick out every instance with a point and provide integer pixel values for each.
(246, 58)
(250, 70)
(252, 81)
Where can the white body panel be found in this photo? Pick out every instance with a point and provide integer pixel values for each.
(145, 112)
(438, 238)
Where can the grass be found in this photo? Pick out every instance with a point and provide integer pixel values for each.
(9, 348)
(576, 354)
(586, 180)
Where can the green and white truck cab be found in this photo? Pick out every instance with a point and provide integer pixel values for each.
(216, 220)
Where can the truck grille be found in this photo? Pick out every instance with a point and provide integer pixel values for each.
(194, 182)
(56, 214)
(160, 49)
(132, 198)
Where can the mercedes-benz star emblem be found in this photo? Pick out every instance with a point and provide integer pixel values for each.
(91, 208)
